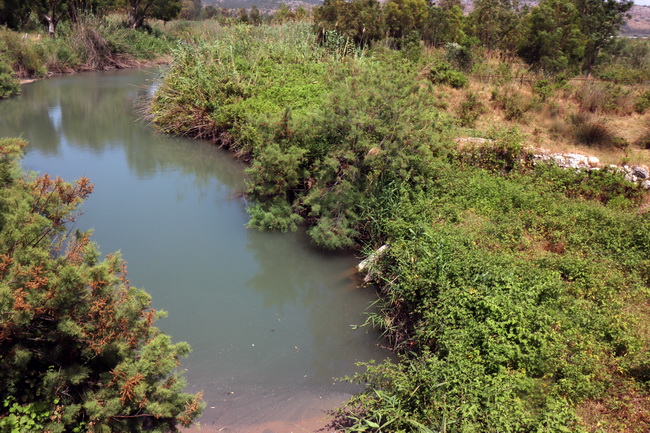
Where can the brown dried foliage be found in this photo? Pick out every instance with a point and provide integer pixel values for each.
(191, 408)
(127, 391)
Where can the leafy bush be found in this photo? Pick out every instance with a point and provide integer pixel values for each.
(502, 153)
(323, 135)
(511, 102)
(623, 74)
(9, 86)
(501, 294)
(605, 185)
(642, 102)
(443, 73)
(470, 110)
(23, 53)
(460, 56)
(543, 88)
(25, 417)
(90, 44)
(138, 43)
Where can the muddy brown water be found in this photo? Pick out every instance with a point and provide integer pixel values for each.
(268, 316)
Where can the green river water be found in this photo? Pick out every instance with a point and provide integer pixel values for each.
(268, 316)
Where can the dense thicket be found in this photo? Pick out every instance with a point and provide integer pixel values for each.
(515, 292)
(77, 347)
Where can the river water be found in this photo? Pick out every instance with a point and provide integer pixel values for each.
(268, 316)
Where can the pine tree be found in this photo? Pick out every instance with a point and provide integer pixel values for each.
(77, 345)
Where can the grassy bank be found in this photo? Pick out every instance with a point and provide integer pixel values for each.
(516, 293)
(89, 45)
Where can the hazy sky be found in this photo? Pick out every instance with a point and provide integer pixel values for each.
(642, 2)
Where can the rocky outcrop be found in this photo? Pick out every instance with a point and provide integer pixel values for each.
(572, 161)
(636, 173)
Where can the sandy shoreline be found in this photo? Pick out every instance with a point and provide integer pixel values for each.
(284, 412)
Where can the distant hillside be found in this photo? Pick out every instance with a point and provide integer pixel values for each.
(638, 25)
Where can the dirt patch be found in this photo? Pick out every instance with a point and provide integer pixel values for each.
(627, 411)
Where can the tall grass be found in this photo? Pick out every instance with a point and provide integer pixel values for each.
(247, 75)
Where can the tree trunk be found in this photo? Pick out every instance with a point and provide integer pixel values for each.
(51, 26)
(136, 20)
(138, 12)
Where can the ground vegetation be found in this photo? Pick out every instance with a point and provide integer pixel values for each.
(514, 291)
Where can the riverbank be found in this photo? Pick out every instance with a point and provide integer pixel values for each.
(91, 44)
(505, 283)
(133, 64)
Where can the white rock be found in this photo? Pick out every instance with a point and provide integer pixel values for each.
(578, 157)
(641, 172)
(593, 161)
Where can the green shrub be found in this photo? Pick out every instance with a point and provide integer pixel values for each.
(511, 102)
(543, 88)
(92, 43)
(9, 86)
(623, 74)
(23, 53)
(470, 110)
(501, 154)
(642, 102)
(501, 294)
(323, 135)
(138, 43)
(443, 73)
(605, 185)
(26, 416)
(460, 56)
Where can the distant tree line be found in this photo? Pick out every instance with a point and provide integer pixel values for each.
(253, 15)
(554, 36)
(21, 14)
